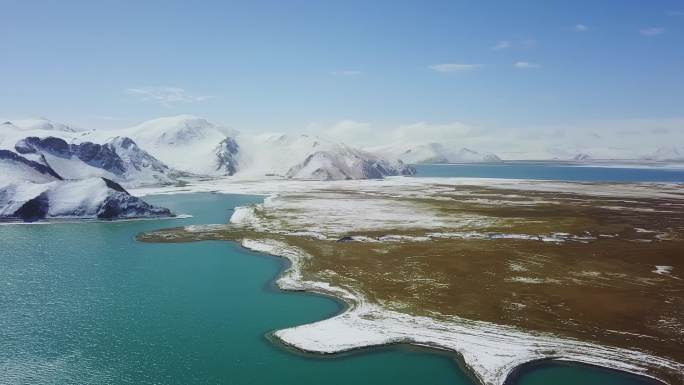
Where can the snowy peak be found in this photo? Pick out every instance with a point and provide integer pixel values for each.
(43, 124)
(182, 130)
(310, 157)
(468, 155)
(667, 154)
(188, 143)
(134, 157)
(433, 153)
(582, 157)
(329, 165)
(12, 131)
(337, 161)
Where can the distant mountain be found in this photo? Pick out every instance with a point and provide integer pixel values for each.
(347, 164)
(432, 153)
(45, 125)
(309, 157)
(667, 154)
(158, 150)
(188, 143)
(582, 157)
(13, 131)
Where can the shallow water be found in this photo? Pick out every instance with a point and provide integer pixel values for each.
(84, 303)
(550, 171)
(568, 373)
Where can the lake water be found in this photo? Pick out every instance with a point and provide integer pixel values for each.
(550, 171)
(84, 303)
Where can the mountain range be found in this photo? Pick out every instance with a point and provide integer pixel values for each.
(50, 169)
(160, 151)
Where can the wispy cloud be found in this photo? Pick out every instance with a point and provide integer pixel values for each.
(346, 73)
(454, 67)
(526, 65)
(165, 96)
(675, 13)
(653, 31)
(581, 28)
(502, 44)
(507, 44)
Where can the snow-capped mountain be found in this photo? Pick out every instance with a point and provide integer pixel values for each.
(151, 152)
(582, 157)
(119, 159)
(188, 143)
(43, 124)
(13, 131)
(667, 154)
(432, 153)
(31, 191)
(308, 157)
(347, 163)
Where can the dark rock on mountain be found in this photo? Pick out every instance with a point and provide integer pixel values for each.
(41, 168)
(34, 209)
(226, 156)
(102, 156)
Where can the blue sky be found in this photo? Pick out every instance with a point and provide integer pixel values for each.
(514, 66)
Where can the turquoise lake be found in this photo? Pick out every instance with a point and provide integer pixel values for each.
(84, 303)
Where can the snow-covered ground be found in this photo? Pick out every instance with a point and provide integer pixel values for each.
(417, 187)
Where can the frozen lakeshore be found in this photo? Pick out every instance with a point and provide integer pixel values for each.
(489, 350)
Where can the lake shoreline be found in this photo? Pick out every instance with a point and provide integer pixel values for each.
(283, 281)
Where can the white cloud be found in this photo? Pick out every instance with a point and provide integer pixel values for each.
(502, 44)
(654, 31)
(165, 96)
(422, 132)
(346, 73)
(629, 138)
(507, 44)
(454, 67)
(348, 131)
(526, 65)
(581, 28)
(675, 13)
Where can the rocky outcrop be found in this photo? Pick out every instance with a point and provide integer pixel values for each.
(93, 154)
(120, 158)
(226, 156)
